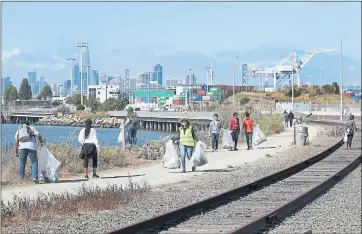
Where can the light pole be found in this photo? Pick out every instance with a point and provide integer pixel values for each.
(293, 81)
(71, 75)
(207, 77)
(88, 67)
(81, 45)
(235, 57)
(320, 69)
(341, 86)
(189, 88)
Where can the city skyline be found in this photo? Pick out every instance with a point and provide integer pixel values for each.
(195, 39)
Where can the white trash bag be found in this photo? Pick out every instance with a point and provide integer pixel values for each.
(47, 166)
(171, 158)
(121, 135)
(346, 135)
(198, 158)
(258, 136)
(227, 140)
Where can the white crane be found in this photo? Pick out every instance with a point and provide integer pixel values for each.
(285, 67)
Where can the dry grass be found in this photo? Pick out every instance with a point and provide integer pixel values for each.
(109, 158)
(87, 199)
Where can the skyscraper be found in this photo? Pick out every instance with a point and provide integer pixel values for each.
(143, 80)
(6, 82)
(76, 77)
(157, 74)
(86, 62)
(32, 79)
(67, 86)
(94, 78)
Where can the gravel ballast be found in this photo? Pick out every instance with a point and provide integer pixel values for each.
(336, 211)
(166, 198)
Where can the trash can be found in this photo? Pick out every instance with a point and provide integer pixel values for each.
(301, 135)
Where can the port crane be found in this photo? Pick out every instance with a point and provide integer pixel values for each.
(290, 65)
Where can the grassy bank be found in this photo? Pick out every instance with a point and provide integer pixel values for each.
(87, 199)
(109, 158)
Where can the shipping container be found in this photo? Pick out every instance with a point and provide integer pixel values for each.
(349, 94)
(154, 93)
(203, 87)
(206, 98)
(178, 102)
(355, 98)
(201, 92)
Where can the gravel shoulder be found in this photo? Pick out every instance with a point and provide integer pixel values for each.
(336, 211)
(170, 197)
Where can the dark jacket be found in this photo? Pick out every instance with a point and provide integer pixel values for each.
(291, 116)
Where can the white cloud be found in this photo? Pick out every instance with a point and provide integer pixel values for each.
(56, 66)
(9, 54)
(59, 66)
(352, 68)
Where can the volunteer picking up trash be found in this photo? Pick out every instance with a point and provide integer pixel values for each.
(214, 132)
(186, 139)
(26, 146)
(248, 126)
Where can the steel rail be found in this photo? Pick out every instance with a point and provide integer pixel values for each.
(233, 194)
(276, 215)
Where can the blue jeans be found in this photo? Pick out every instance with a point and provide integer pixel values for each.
(132, 135)
(185, 150)
(23, 156)
(215, 140)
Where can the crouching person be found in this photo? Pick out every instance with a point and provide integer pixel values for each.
(90, 147)
(186, 139)
(26, 146)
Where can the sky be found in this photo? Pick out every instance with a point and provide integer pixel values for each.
(139, 35)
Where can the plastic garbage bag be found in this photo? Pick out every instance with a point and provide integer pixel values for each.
(121, 135)
(198, 158)
(346, 135)
(171, 158)
(227, 140)
(47, 166)
(258, 136)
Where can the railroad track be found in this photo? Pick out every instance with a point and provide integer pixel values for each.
(258, 206)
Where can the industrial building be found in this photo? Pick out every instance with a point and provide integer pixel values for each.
(104, 92)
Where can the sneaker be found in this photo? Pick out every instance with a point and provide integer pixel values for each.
(193, 168)
(35, 181)
(86, 177)
(183, 171)
(248, 148)
(95, 176)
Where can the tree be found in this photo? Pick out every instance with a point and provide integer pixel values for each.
(76, 100)
(45, 93)
(10, 94)
(93, 104)
(114, 104)
(25, 90)
(335, 87)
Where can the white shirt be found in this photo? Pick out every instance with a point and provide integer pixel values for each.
(32, 144)
(91, 139)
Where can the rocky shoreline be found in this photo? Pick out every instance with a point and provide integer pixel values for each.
(76, 121)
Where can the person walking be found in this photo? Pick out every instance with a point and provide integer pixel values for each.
(214, 132)
(291, 118)
(234, 126)
(351, 128)
(187, 141)
(286, 118)
(26, 146)
(90, 148)
(248, 125)
(132, 125)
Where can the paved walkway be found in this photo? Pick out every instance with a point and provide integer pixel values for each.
(156, 175)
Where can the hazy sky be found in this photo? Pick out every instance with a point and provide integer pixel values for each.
(46, 33)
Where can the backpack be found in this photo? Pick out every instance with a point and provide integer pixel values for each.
(25, 133)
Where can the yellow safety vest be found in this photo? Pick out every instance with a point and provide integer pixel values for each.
(186, 138)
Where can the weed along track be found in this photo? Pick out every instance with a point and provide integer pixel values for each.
(260, 205)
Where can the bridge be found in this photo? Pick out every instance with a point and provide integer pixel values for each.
(17, 114)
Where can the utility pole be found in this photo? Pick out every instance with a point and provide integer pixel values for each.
(190, 87)
(186, 83)
(235, 57)
(341, 88)
(293, 81)
(88, 67)
(207, 78)
(81, 45)
(320, 75)
(71, 76)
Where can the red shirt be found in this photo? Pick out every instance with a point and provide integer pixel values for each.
(234, 124)
(248, 124)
